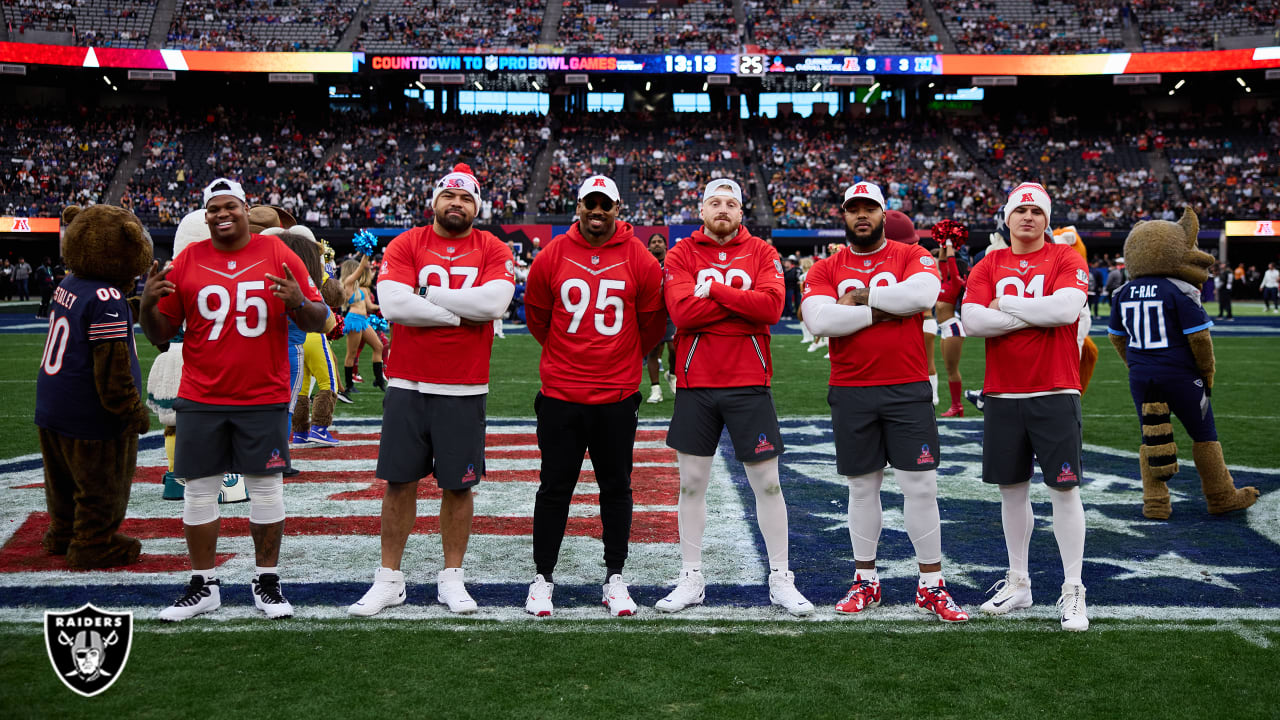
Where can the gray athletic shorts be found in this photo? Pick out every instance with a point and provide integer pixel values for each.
(441, 435)
(1046, 428)
(217, 439)
(701, 413)
(884, 424)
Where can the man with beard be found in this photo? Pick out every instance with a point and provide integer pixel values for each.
(723, 290)
(236, 314)
(869, 298)
(594, 303)
(1026, 300)
(658, 248)
(441, 287)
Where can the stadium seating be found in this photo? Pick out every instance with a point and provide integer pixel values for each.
(1032, 26)
(1198, 25)
(863, 26)
(101, 23)
(403, 26)
(1228, 172)
(706, 25)
(660, 167)
(260, 24)
(52, 159)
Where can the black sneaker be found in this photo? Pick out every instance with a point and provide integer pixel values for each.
(268, 598)
(198, 598)
(344, 397)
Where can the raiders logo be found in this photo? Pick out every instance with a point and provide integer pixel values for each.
(88, 647)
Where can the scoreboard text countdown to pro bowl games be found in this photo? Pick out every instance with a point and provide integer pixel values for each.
(748, 64)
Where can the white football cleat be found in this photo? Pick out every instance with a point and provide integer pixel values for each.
(783, 592)
(387, 591)
(617, 597)
(691, 589)
(1011, 593)
(268, 598)
(198, 597)
(451, 591)
(539, 601)
(655, 394)
(1071, 608)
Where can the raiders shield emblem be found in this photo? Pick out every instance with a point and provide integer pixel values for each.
(88, 647)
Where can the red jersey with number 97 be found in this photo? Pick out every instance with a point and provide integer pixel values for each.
(1034, 359)
(884, 353)
(592, 351)
(235, 345)
(420, 258)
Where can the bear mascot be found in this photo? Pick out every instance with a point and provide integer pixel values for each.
(89, 407)
(1161, 331)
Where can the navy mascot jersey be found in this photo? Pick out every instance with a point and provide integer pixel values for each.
(1157, 314)
(84, 313)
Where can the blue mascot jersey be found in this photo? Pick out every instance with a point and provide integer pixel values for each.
(84, 313)
(1157, 316)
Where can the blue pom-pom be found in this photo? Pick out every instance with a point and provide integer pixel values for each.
(365, 242)
(379, 323)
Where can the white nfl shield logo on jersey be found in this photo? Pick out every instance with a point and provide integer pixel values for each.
(450, 249)
(866, 263)
(595, 259)
(1023, 264)
(724, 256)
(231, 264)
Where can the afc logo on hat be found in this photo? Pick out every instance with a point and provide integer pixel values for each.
(598, 183)
(860, 190)
(1026, 198)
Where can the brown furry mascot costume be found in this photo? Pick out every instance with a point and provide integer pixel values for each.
(88, 396)
(1162, 333)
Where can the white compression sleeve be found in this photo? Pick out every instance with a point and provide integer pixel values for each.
(484, 302)
(771, 510)
(865, 514)
(200, 500)
(400, 304)
(691, 512)
(916, 294)
(1068, 529)
(982, 321)
(825, 318)
(1018, 520)
(1061, 308)
(920, 513)
(266, 498)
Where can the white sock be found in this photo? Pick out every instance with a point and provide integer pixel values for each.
(1018, 520)
(258, 570)
(691, 511)
(930, 579)
(771, 510)
(1068, 528)
(933, 385)
(865, 515)
(868, 574)
(920, 513)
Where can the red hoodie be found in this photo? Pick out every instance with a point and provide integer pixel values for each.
(723, 340)
(596, 311)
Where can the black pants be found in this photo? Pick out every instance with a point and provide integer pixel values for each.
(566, 431)
(1224, 303)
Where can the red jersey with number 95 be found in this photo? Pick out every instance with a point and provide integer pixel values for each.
(420, 258)
(885, 353)
(592, 351)
(1033, 359)
(235, 345)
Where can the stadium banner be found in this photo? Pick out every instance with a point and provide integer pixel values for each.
(749, 63)
(1252, 228)
(29, 225)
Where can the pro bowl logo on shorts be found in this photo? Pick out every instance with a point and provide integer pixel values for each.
(88, 647)
(926, 457)
(762, 444)
(1066, 475)
(276, 461)
(470, 474)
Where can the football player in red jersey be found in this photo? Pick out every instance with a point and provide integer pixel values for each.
(236, 293)
(870, 299)
(441, 286)
(724, 289)
(1026, 300)
(594, 302)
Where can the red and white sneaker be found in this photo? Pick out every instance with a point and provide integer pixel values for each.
(938, 601)
(864, 594)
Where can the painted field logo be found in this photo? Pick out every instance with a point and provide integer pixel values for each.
(88, 647)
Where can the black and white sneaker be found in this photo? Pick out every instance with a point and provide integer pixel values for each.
(977, 398)
(344, 397)
(268, 598)
(198, 598)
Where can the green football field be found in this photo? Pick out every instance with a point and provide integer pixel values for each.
(652, 667)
